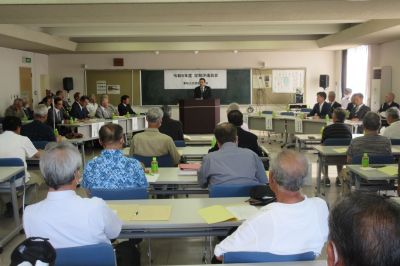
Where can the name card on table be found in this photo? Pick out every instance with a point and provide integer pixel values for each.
(146, 124)
(134, 123)
(268, 122)
(245, 119)
(95, 130)
(298, 125)
(115, 122)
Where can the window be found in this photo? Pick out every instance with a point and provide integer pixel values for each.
(357, 65)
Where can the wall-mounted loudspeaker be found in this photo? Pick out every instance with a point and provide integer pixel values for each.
(324, 81)
(68, 84)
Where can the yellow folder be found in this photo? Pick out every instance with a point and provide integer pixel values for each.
(153, 213)
(216, 214)
(390, 170)
(124, 212)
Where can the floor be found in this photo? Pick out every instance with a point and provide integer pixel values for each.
(173, 251)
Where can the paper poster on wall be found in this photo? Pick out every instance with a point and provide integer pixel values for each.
(267, 81)
(262, 81)
(287, 81)
(113, 89)
(101, 87)
(189, 79)
(24, 94)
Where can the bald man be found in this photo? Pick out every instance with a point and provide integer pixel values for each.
(389, 102)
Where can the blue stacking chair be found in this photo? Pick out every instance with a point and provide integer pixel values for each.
(226, 191)
(96, 255)
(120, 193)
(258, 257)
(305, 110)
(395, 141)
(163, 161)
(287, 113)
(180, 143)
(267, 112)
(375, 159)
(40, 144)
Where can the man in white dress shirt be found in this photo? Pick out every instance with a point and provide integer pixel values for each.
(294, 224)
(92, 105)
(393, 119)
(346, 99)
(65, 218)
(231, 107)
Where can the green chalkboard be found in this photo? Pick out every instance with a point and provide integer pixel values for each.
(153, 92)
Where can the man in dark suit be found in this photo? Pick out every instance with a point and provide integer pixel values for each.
(58, 115)
(79, 109)
(357, 113)
(389, 102)
(202, 91)
(124, 107)
(246, 139)
(77, 97)
(65, 104)
(334, 104)
(26, 109)
(351, 105)
(169, 126)
(321, 108)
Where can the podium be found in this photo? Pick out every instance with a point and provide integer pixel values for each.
(199, 116)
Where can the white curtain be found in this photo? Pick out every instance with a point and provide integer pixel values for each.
(357, 66)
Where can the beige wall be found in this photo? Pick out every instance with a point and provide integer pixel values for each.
(316, 62)
(10, 61)
(389, 55)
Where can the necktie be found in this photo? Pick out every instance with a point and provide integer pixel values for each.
(357, 109)
(58, 115)
(107, 115)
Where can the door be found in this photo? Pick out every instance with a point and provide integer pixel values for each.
(25, 82)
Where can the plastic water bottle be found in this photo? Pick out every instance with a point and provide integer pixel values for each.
(273, 114)
(25, 118)
(287, 109)
(56, 132)
(113, 116)
(326, 118)
(322, 130)
(128, 115)
(301, 116)
(348, 113)
(71, 121)
(259, 113)
(213, 142)
(365, 160)
(154, 165)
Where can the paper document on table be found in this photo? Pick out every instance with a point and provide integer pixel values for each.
(151, 178)
(216, 214)
(153, 213)
(180, 152)
(342, 150)
(181, 172)
(390, 170)
(186, 137)
(242, 212)
(124, 212)
(395, 150)
(207, 137)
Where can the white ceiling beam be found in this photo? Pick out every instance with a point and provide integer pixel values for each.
(33, 36)
(69, 2)
(371, 32)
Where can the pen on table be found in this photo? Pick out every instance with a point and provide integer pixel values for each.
(138, 212)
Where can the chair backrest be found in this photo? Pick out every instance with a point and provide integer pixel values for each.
(267, 112)
(226, 191)
(254, 257)
(163, 161)
(305, 110)
(395, 141)
(120, 193)
(337, 142)
(12, 162)
(1, 120)
(96, 255)
(180, 143)
(287, 113)
(40, 144)
(373, 159)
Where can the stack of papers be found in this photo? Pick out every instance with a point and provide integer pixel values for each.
(143, 212)
(188, 169)
(219, 213)
(186, 137)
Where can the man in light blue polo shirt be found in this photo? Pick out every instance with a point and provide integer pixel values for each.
(230, 165)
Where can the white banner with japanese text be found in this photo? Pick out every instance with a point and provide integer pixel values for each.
(189, 79)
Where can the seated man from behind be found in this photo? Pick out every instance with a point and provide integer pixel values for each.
(151, 142)
(393, 119)
(124, 107)
(364, 231)
(231, 107)
(169, 126)
(112, 169)
(15, 109)
(338, 130)
(321, 108)
(371, 143)
(246, 139)
(294, 224)
(230, 165)
(65, 218)
(15, 146)
(38, 129)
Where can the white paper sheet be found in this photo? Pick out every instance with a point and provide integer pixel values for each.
(180, 172)
(242, 212)
(95, 130)
(115, 122)
(151, 178)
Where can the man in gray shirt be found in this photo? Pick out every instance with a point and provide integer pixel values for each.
(230, 165)
(371, 143)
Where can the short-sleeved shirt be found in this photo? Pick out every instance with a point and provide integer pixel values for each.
(393, 131)
(370, 144)
(16, 146)
(38, 131)
(337, 130)
(113, 170)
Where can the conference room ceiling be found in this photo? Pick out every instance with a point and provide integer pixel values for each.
(97, 26)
